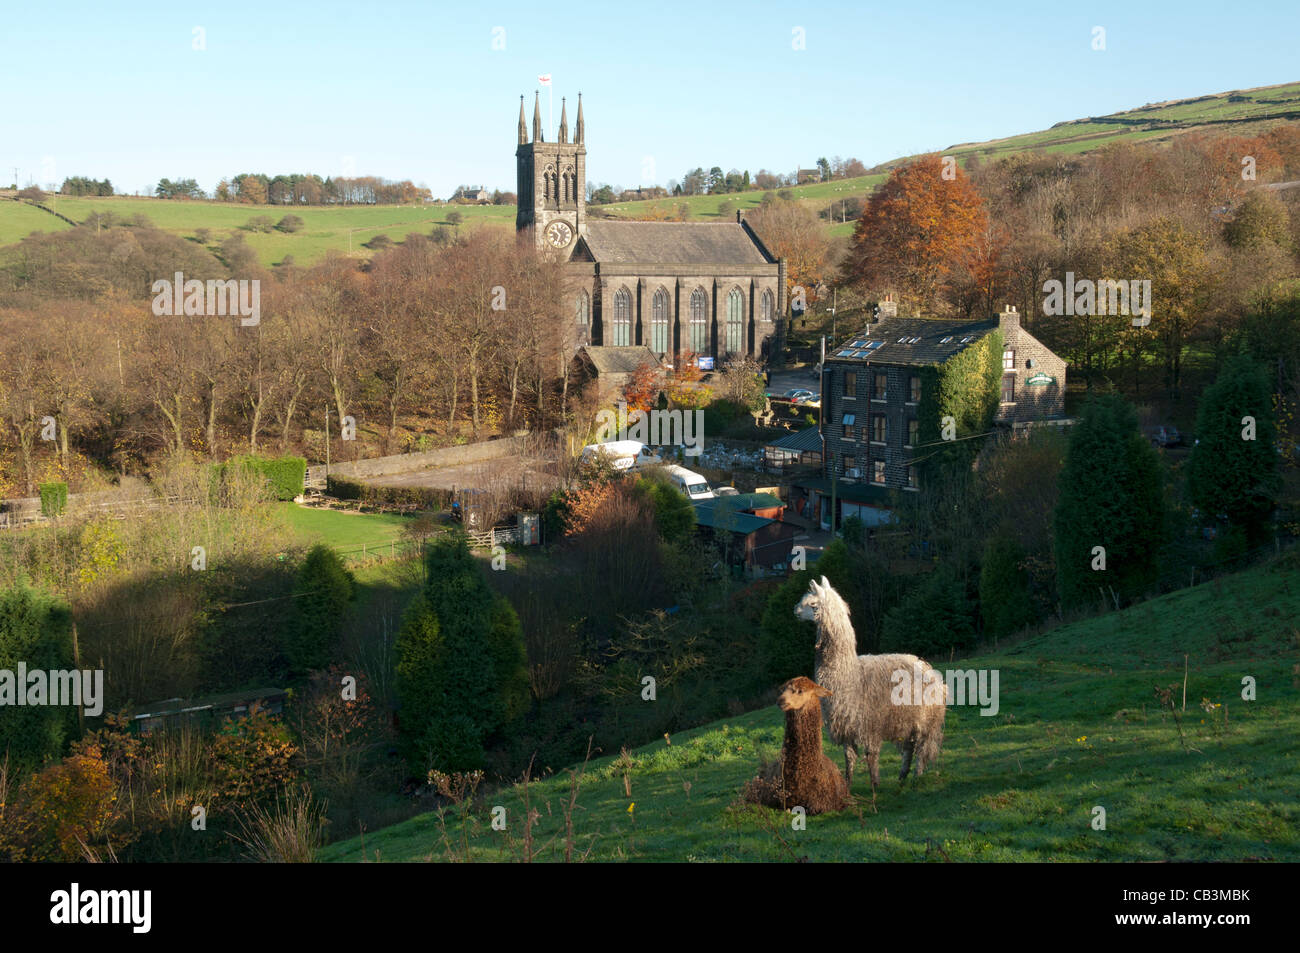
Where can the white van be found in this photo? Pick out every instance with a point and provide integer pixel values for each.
(623, 454)
(689, 482)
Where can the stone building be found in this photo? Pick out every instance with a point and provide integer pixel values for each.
(872, 395)
(704, 289)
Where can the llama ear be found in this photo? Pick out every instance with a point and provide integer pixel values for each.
(822, 692)
(826, 583)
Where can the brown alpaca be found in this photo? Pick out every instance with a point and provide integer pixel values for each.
(804, 776)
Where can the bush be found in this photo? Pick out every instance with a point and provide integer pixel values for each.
(54, 499)
(35, 629)
(290, 223)
(933, 619)
(287, 475)
(1111, 496)
(461, 675)
(259, 223)
(322, 593)
(427, 498)
(1005, 602)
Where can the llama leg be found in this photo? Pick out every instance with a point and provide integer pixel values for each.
(850, 758)
(873, 763)
(906, 749)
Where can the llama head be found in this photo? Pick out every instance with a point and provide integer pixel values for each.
(800, 692)
(820, 599)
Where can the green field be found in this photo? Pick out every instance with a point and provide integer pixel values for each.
(1215, 113)
(346, 229)
(1079, 727)
(343, 530)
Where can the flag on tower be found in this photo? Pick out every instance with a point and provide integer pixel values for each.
(544, 79)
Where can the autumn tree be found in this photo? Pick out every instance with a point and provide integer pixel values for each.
(923, 220)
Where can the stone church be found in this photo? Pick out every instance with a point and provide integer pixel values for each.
(678, 288)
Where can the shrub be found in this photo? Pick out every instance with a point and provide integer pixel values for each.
(1005, 602)
(35, 629)
(286, 475)
(1226, 473)
(1111, 496)
(290, 223)
(461, 674)
(54, 499)
(934, 618)
(59, 814)
(323, 590)
(428, 498)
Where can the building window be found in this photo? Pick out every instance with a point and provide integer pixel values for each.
(914, 387)
(913, 432)
(768, 308)
(622, 318)
(882, 386)
(735, 322)
(878, 472)
(1008, 388)
(582, 312)
(878, 428)
(913, 482)
(659, 308)
(850, 383)
(850, 426)
(850, 465)
(698, 342)
(1008, 360)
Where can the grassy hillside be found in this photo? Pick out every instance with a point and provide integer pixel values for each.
(1078, 727)
(1239, 112)
(345, 229)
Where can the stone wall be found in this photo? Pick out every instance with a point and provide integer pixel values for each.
(406, 462)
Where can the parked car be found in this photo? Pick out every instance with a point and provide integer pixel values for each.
(725, 491)
(689, 482)
(622, 454)
(1166, 437)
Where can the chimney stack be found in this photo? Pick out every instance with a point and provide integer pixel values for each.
(888, 307)
(1009, 319)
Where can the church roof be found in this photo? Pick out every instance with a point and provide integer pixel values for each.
(620, 360)
(714, 243)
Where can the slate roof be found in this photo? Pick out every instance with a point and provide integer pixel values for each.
(619, 360)
(808, 440)
(710, 243)
(914, 341)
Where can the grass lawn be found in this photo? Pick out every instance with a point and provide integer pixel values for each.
(344, 530)
(1078, 728)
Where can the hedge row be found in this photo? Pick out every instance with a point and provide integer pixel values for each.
(54, 499)
(426, 498)
(287, 475)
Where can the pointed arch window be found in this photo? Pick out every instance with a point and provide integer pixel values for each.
(698, 338)
(659, 326)
(582, 312)
(622, 318)
(735, 322)
(768, 307)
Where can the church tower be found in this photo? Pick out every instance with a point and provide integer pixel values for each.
(552, 180)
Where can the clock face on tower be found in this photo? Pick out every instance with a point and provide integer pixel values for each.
(559, 234)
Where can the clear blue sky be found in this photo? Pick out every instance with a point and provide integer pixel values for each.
(416, 90)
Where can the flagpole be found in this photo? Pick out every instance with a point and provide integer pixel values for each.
(550, 106)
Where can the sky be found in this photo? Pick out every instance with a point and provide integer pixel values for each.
(137, 91)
